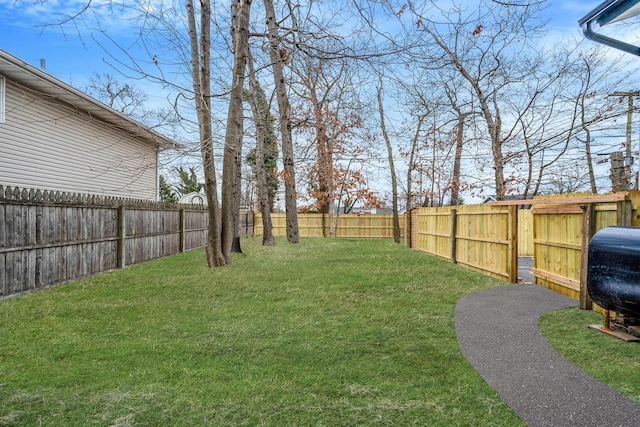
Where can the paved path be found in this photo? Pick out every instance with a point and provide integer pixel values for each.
(498, 333)
(525, 264)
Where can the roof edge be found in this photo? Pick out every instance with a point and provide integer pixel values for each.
(15, 67)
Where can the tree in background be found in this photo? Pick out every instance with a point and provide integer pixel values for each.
(352, 190)
(329, 116)
(270, 160)
(263, 158)
(485, 46)
(279, 57)
(392, 168)
(131, 101)
(234, 135)
(188, 181)
(167, 194)
(596, 108)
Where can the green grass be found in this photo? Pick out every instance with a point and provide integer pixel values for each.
(322, 333)
(612, 361)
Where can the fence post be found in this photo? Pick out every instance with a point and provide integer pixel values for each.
(453, 241)
(513, 243)
(326, 227)
(588, 227)
(407, 228)
(183, 229)
(623, 213)
(122, 237)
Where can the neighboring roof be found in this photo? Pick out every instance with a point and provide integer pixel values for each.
(34, 78)
(509, 198)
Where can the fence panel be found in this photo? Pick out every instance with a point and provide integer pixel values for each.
(151, 234)
(559, 243)
(433, 231)
(525, 232)
(366, 226)
(361, 226)
(48, 238)
(195, 229)
(309, 225)
(558, 248)
(480, 237)
(278, 222)
(485, 240)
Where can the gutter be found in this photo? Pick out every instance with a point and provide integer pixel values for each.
(608, 12)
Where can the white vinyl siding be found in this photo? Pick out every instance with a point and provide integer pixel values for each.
(2, 96)
(51, 146)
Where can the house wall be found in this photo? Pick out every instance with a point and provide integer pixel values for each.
(48, 145)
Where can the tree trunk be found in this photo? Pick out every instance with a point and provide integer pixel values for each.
(409, 199)
(260, 109)
(494, 125)
(587, 148)
(324, 164)
(492, 119)
(234, 134)
(457, 161)
(284, 110)
(394, 184)
(583, 121)
(200, 72)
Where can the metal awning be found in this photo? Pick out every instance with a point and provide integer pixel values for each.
(609, 12)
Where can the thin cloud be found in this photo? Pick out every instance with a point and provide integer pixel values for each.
(71, 17)
(579, 7)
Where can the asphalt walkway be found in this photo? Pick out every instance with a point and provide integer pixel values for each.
(498, 333)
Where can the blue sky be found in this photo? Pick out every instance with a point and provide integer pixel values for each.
(22, 34)
(72, 59)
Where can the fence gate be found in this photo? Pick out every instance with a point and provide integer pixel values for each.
(562, 229)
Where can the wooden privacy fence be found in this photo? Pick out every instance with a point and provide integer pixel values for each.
(556, 231)
(525, 232)
(47, 238)
(562, 229)
(361, 226)
(480, 237)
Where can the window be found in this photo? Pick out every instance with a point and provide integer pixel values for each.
(2, 92)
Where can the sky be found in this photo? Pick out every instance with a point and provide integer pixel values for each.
(74, 59)
(26, 32)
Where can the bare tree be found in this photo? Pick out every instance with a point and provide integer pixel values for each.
(584, 123)
(462, 111)
(392, 168)
(558, 104)
(260, 110)
(485, 46)
(278, 57)
(413, 151)
(595, 107)
(200, 60)
(328, 113)
(231, 172)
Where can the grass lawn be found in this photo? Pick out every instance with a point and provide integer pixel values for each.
(325, 332)
(610, 360)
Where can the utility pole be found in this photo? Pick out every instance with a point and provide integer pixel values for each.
(618, 175)
(628, 159)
